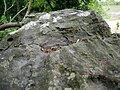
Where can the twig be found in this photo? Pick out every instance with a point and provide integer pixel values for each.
(18, 13)
(28, 9)
(18, 9)
(5, 11)
(5, 8)
(50, 5)
(11, 6)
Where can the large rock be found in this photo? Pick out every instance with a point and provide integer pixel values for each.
(61, 50)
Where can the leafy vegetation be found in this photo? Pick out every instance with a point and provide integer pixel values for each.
(2, 19)
(97, 6)
(4, 33)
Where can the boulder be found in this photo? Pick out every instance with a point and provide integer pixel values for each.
(61, 50)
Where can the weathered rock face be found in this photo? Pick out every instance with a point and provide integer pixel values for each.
(61, 50)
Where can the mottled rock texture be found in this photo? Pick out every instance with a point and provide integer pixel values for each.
(61, 50)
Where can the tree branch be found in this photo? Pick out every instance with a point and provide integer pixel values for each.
(15, 24)
(9, 25)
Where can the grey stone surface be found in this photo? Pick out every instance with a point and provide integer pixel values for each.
(61, 50)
